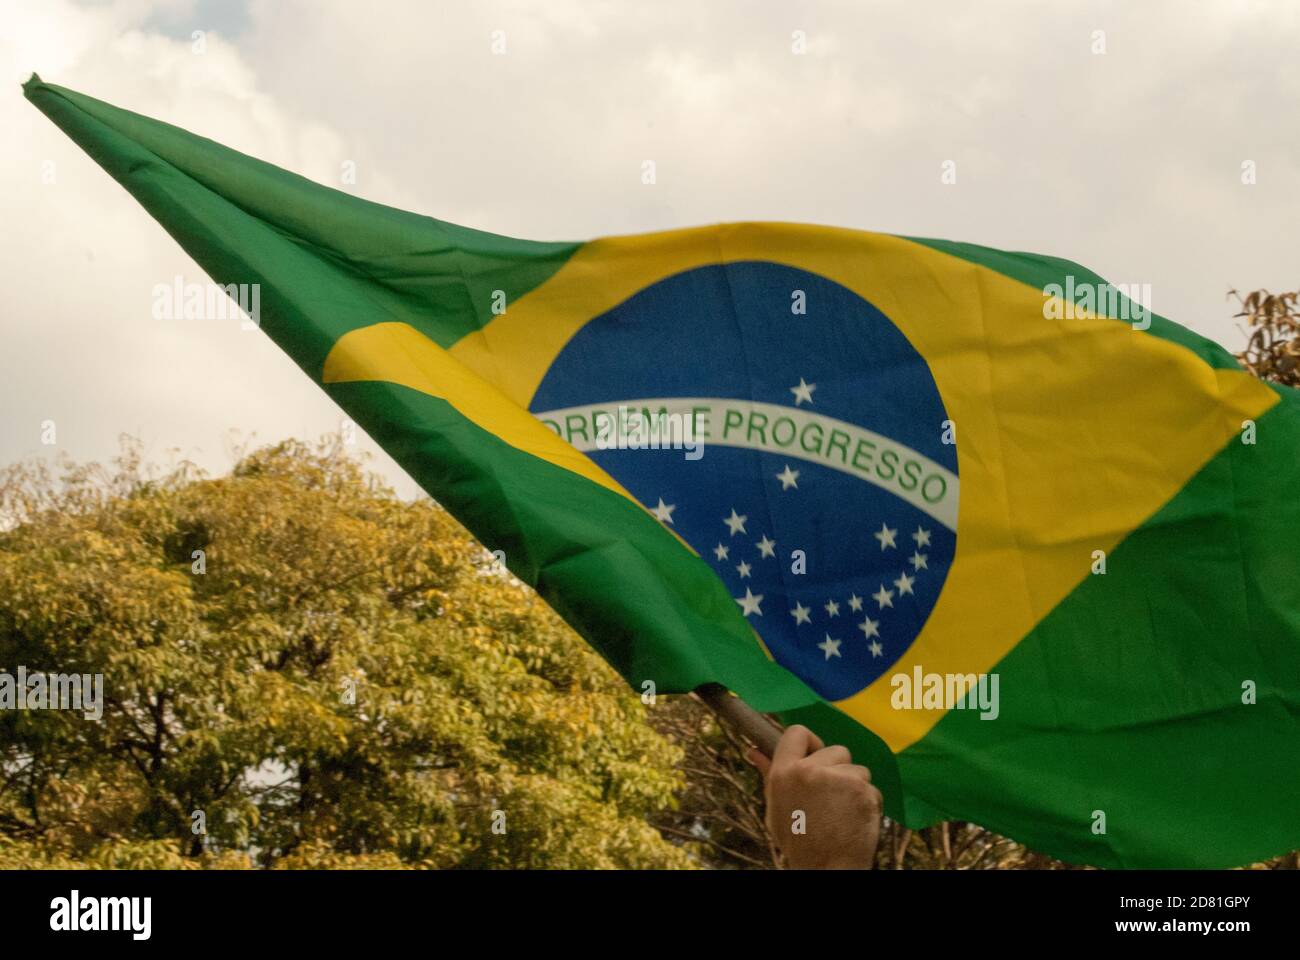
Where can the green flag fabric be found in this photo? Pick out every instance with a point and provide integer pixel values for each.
(1027, 549)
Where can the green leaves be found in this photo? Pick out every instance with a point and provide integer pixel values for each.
(343, 681)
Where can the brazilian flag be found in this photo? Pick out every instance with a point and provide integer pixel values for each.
(1027, 550)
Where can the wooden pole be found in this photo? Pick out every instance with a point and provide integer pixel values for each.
(741, 717)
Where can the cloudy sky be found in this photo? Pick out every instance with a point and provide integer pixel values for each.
(1128, 160)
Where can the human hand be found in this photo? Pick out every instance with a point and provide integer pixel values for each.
(823, 811)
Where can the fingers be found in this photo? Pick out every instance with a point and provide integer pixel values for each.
(830, 756)
(800, 745)
(795, 744)
(875, 799)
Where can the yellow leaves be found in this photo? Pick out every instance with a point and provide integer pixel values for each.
(467, 689)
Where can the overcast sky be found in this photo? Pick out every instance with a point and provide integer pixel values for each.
(1129, 160)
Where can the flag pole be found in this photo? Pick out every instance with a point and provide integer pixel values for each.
(741, 717)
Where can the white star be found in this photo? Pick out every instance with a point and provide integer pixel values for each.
(886, 536)
(922, 538)
(664, 512)
(788, 478)
(884, 598)
(743, 568)
(721, 552)
(765, 547)
(904, 583)
(855, 603)
(918, 561)
(735, 522)
(749, 603)
(870, 627)
(800, 614)
(876, 649)
(832, 647)
(832, 608)
(803, 392)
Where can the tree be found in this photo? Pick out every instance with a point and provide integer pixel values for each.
(720, 807)
(301, 670)
(1273, 345)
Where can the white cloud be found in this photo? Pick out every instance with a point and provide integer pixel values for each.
(1128, 162)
